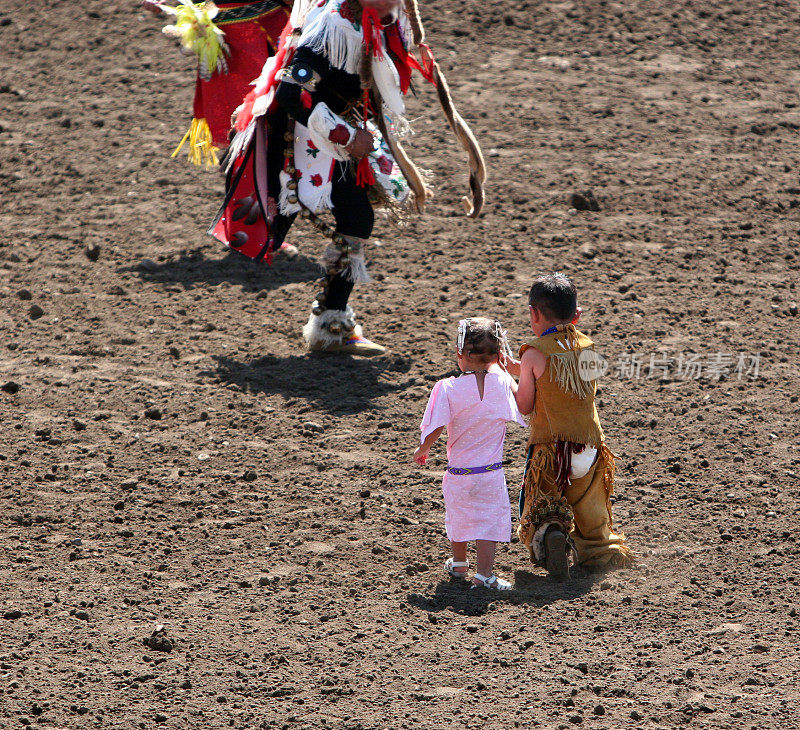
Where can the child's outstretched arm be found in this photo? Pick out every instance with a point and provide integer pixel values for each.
(531, 367)
(421, 454)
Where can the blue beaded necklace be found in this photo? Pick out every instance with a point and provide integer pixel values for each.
(549, 331)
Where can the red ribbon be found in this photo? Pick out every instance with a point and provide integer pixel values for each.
(426, 69)
(365, 177)
(405, 62)
(371, 27)
(399, 56)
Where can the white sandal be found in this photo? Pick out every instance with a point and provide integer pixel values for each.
(449, 564)
(493, 583)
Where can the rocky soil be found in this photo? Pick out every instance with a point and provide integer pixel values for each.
(204, 527)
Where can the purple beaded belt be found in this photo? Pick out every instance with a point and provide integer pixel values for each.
(463, 471)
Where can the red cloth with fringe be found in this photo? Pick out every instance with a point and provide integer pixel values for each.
(250, 43)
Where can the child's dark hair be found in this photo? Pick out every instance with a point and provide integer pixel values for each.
(555, 296)
(482, 338)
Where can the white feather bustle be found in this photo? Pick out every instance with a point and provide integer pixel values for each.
(316, 330)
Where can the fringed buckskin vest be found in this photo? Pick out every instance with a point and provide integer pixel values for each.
(564, 408)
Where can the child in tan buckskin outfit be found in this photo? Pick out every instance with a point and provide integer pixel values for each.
(569, 470)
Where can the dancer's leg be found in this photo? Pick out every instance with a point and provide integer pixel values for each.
(332, 326)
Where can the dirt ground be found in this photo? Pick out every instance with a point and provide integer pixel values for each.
(170, 456)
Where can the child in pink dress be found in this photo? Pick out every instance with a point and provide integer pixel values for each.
(475, 408)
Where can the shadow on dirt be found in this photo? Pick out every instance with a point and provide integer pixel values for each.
(336, 383)
(529, 588)
(194, 267)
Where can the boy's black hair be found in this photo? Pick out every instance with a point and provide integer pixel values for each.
(555, 296)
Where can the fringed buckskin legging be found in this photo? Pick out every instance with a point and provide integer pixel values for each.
(583, 509)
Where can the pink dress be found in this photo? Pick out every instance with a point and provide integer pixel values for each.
(476, 505)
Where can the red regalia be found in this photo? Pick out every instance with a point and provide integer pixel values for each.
(251, 41)
(248, 31)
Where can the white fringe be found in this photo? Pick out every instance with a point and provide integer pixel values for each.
(335, 38)
(316, 331)
(284, 205)
(328, 33)
(401, 127)
(330, 256)
(320, 200)
(356, 270)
